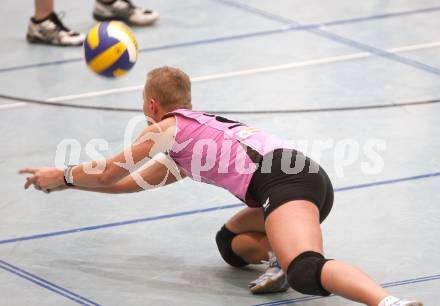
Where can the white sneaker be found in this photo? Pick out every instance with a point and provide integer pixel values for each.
(272, 280)
(52, 31)
(407, 303)
(393, 301)
(125, 11)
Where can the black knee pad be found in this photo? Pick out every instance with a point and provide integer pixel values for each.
(224, 243)
(304, 273)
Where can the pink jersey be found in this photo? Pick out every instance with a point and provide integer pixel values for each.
(219, 151)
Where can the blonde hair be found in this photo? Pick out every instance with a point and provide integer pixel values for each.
(171, 87)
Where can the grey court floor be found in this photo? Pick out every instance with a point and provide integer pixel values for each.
(304, 70)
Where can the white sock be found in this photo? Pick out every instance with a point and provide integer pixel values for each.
(388, 301)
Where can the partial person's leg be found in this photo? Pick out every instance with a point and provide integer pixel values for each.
(46, 28)
(253, 247)
(124, 10)
(242, 240)
(295, 235)
(250, 241)
(43, 8)
(247, 220)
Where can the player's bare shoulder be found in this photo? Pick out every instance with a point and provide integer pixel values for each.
(168, 122)
(161, 135)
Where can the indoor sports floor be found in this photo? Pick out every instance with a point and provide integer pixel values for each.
(303, 70)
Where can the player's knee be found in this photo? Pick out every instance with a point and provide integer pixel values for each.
(304, 273)
(224, 243)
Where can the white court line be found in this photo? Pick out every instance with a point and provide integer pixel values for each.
(315, 62)
(13, 105)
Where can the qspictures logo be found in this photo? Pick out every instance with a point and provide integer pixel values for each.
(206, 157)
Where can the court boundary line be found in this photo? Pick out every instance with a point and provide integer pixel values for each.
(245, 35)
(46, 284)
(12, 105)
(199, 211)
(55, 101)
(254, 71)
(410, 281)
(83, 301)
(226, 112)
(333, 37)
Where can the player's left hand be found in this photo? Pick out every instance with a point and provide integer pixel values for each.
(44, 179)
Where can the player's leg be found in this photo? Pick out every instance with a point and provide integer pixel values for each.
(124, 10)
(247, 220)
(253, 247)
(251, 242)
(295, 235)
(45, 27)
(242, 241)
(43, 8)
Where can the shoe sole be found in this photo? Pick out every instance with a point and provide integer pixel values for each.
(271, 286)
(103, 19)
(36, 40)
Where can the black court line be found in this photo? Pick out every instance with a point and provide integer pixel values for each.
(291, 27)
(230, 112)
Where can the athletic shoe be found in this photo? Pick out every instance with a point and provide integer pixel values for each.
(125, 11)
(406, 303)
(272, 280)
(52, 31)
(393, 301)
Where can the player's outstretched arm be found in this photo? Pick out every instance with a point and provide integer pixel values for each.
(160, 171)
(155, 139)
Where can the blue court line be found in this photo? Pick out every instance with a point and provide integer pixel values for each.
(95, 227)
(244, 35)
(385, 285)
(376, 51)
(334, 37)
(46, 284)
(199, 211)
(153, 49)
(379, 16)
(387, 182)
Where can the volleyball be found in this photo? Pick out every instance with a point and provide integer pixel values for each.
(110, 49)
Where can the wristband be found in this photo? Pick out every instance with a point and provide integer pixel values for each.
(68, 177)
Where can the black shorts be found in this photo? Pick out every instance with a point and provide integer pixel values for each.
(272, 187)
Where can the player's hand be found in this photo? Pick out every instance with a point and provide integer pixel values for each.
(44, 179)
(59, 188)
